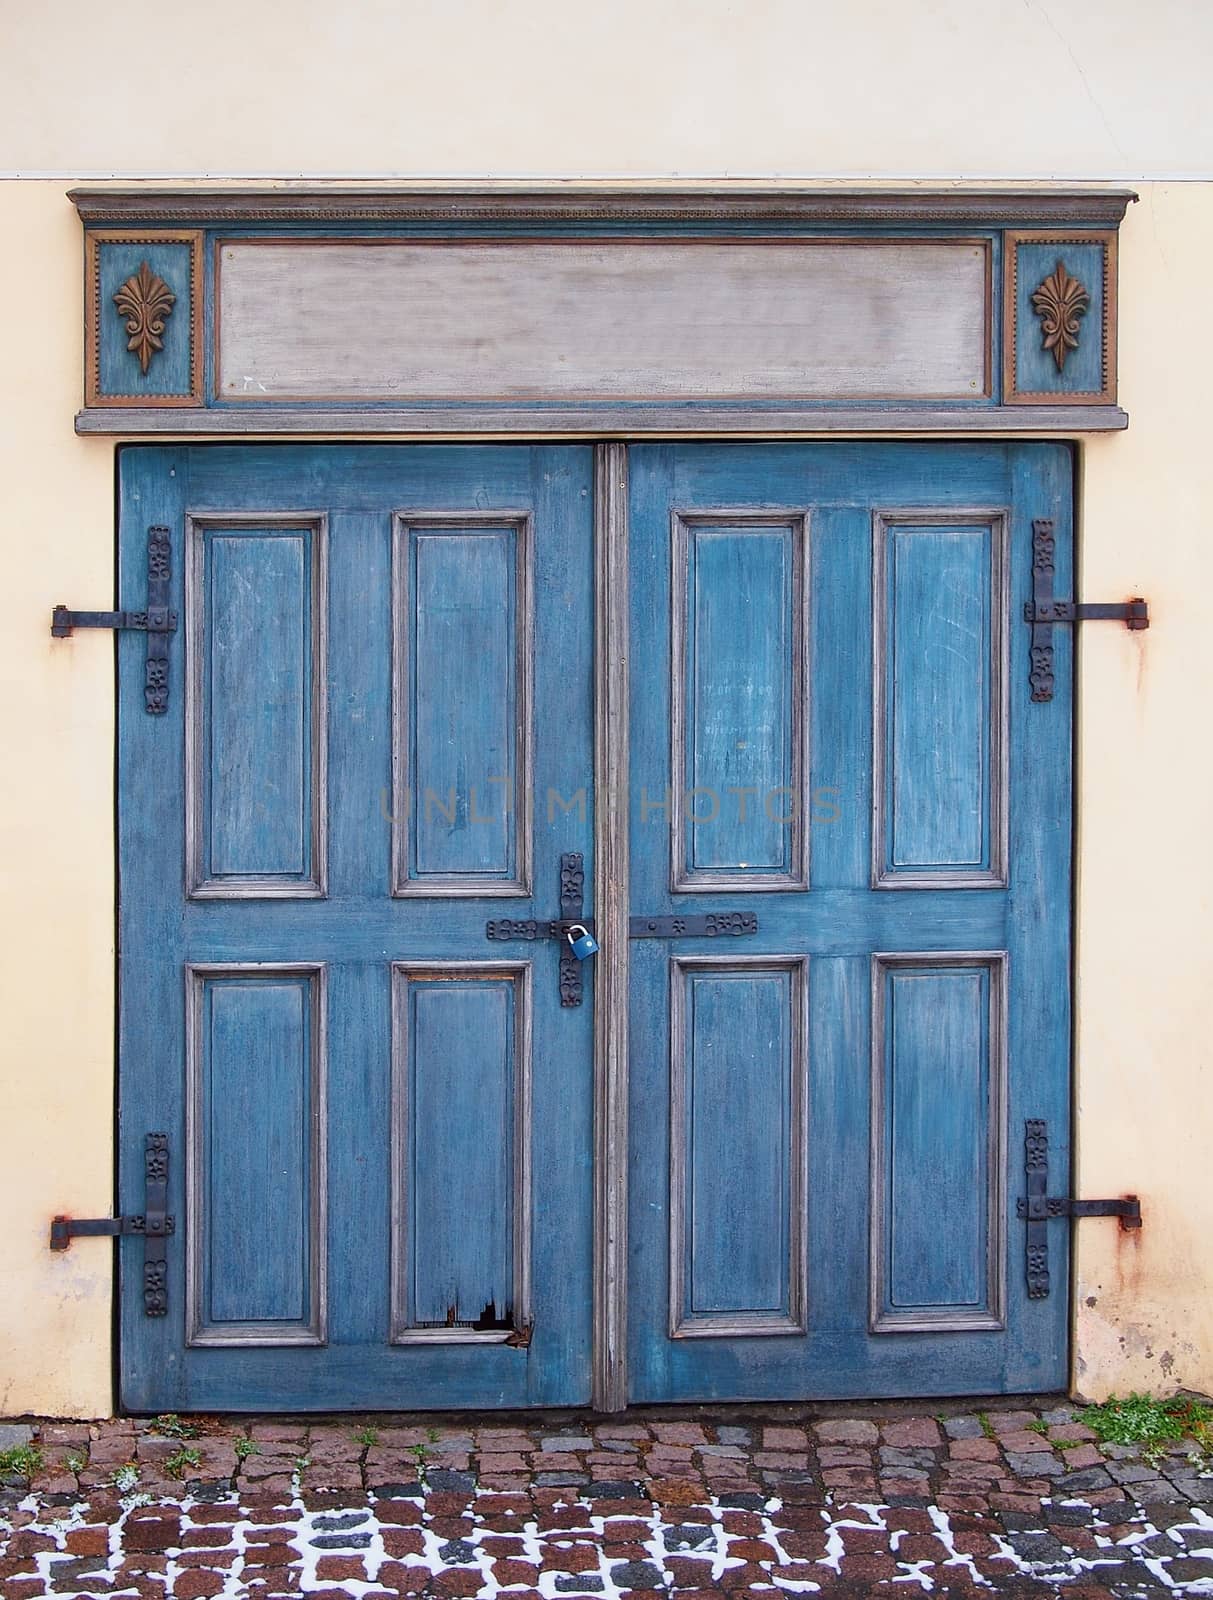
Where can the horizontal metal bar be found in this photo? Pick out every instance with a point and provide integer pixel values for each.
(715, 925)
(711, 925)
(1128, 1210)
(156, 619)
(530, 928)
(1037, 1208)
(65, 1229)
(1135, 614)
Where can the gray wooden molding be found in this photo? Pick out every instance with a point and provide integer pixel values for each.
(505, 204)
(611, 816)
(477, 310)
(587, 421)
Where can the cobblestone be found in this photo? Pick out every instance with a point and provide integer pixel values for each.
(877, 1502)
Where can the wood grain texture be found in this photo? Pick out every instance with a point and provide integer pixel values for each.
(739, 701)
(256, 1117)
(463, 645)
(612, 875)
(951, 1309)
(357, 932)
(939, 1142)
(396, 321)
(461, 1150)
(534, 420)
(738, 1148)
(256, 706)
(940, 698)
(603, 549)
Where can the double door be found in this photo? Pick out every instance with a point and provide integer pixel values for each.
(360, 805)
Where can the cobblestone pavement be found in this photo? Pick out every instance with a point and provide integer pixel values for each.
(790, 1500)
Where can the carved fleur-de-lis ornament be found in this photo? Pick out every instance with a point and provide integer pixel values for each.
(1060, 302)
(146, 302)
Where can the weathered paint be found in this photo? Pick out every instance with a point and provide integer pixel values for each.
(1144, 996)
(386, 1048)
(903, 1165)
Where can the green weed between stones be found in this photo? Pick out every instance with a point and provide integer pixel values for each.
(245, 1447)
(21, 1461)
(368, 1438)
(170, 1426)
(987, 1427)
(1151, 1424)
(187, 1456)
(1039, 1426)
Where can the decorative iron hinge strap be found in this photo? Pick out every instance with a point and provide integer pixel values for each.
(713, 925)
(1037, 1206)
(572, 893)
(154, 1226)
(158, 621)
(1042, 611)
(572, 896)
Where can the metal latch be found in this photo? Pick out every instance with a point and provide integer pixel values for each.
(153, 1226)
(572, 892)
(1042, 611)
(158, 621)
(1037, 1206)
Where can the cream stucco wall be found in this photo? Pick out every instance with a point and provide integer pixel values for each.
(1144, 1302)
(56, 829)
(917, 89)
(578, 88)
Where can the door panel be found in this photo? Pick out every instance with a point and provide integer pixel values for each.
(384, 672)
(256, 728)
(824, 1156)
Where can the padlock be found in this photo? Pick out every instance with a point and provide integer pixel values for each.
(582, 941)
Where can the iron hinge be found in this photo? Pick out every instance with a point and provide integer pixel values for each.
(153, 1225)
(158, 621)
(1042, 611)
(1038, 1206)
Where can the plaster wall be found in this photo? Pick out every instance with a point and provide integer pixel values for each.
(937, 89)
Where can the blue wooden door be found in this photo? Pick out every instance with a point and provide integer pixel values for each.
(376, 737)
(833, 736)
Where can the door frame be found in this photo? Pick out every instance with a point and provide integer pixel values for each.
(612, 813)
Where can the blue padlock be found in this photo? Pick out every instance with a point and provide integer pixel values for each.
(582, 941)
